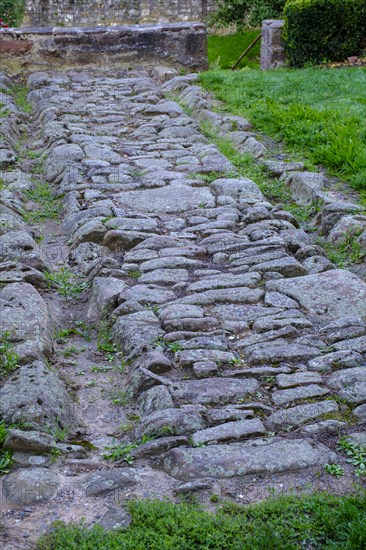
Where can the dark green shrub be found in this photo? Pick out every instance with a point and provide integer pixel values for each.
(246, 13)
(12, 12)
(318, 30)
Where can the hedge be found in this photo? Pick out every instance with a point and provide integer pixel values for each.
(318, 30)
(12, 12)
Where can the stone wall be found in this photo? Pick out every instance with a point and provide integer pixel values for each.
(175, 45)
(120, 12)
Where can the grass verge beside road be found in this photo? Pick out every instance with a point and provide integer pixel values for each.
(319, 113)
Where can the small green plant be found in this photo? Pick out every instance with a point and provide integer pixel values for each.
(119, 397)
(118, 451)
(334, 470)
(55, 454)
(12, 12)
(237, 362)
(173, 347)
(6, 461)
(134, 274)
(8, 358)
(356, 455)
(59, 432)
(215, 498)
(71, 350)
(67, 283)
(345, 254)
(49, 204)
(104, 340)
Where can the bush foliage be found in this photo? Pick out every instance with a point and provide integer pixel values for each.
(246, 13)
(12, 12)
(319, 30)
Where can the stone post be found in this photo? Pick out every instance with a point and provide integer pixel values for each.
(272, 48)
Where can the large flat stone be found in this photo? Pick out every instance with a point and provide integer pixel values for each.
(34, 394)
(350, 384)
(24, 315)
(170, 199)
(230, 431)
(214, 390)
(241, 459)
(329, 295)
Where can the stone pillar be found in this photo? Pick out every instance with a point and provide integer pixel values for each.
(272, 48)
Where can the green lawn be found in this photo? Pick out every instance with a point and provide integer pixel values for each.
(223, 51)
(319, 113)
(319, 521)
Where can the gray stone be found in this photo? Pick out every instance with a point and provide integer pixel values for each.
(276, 299)
(92, 231)
(284, 397)
(327, 425)
(305, 187)
(187, 358)
(34, 394)
(104, 296)
(146, 294)
(228, 296)
(214, 390)
(346, 228)
(115, 518)
(205, 369)
(356, 344)
(100, 483)
(170, 199)
(224, 280)
(155, 361)
(137, 332)
(288, 267)
(25, 317)
(30, 442)
(277, 351)
(183, 421)
(350, 384)
(30, 486)
(329, 295)
(164, 276)
(337, 359)
(242, 459)
(154, 399)
(245, 191)
(230, 431)
(297, 379)
(159, 446)
(295, 416)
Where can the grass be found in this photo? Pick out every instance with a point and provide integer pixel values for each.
(345, 254)
(20, 98)
(318, 114)
(67, 283)
(223, 51)
(6, 457)
(320, 521)
(49, 204)
(8, 358)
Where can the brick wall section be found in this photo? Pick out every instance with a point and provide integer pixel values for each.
(176, 45)
(120, 12)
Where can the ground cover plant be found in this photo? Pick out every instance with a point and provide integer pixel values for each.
(321, 521)
(224, 50)
(319, 114)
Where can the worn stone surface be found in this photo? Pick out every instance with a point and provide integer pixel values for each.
(241, 459)
(198, 331)
(328, 295)
(29, 486)
(34, 394)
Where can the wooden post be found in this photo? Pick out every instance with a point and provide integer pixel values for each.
(246, 51)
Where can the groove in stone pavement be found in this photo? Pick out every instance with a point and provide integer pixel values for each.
(238, 357)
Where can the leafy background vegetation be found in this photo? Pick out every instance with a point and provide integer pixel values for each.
(246, 12)
(12, 12)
